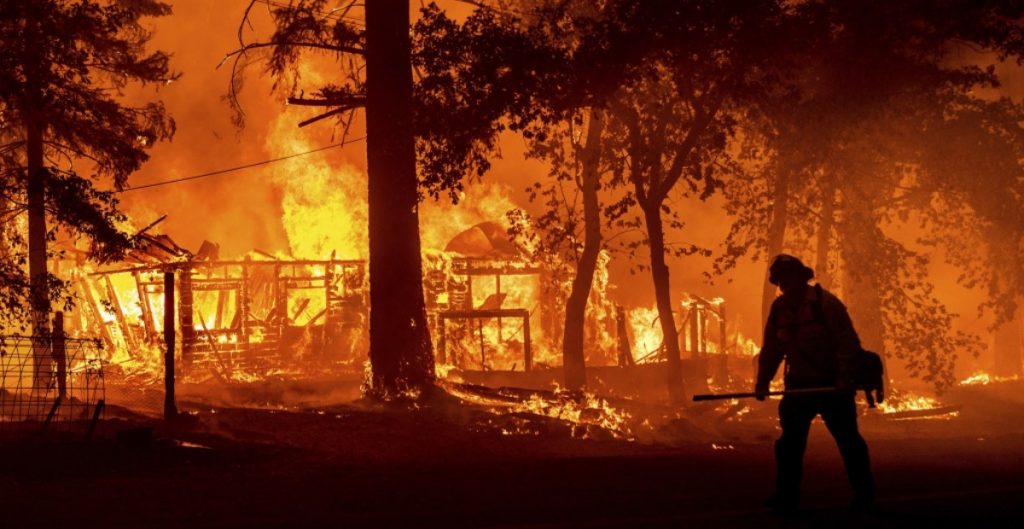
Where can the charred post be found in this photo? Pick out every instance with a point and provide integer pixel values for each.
(170, 406)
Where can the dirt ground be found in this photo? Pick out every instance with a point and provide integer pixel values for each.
(452, 464)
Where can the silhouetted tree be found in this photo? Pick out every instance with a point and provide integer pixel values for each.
(676, 120)
(670, 76)
(848, 161)
(63, 66)
(433, 125)
(977, 214)
(567, 235)
(566, 132)
(401, 355)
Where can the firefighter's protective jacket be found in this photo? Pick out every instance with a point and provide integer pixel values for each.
(816, 339)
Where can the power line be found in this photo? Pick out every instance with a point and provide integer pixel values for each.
(240, 167)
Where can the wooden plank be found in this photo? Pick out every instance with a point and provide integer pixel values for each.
(129, 337)
(147, 310)
(222, 299)
(86, 288)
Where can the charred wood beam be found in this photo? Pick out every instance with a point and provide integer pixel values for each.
(147, 311)
(221, 377)
(170, 406)
(303, 303)
(122, 322)
(97, 315)
(185, 316)
(160, 267)
(218, 319)
(316, 317)
(151, 225)
(479, 314)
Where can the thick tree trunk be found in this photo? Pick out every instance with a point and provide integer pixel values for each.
(401, 356)
(776, 236)
(573, 358)
(860, 236)
(36, 195)
(663, 296)
(828, 208)
(39, 292)
(35, 191)
(861, 294)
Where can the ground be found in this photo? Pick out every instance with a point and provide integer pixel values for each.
(448, 464)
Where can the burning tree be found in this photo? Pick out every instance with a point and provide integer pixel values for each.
(63, 67)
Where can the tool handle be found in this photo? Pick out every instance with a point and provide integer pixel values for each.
(752, 394)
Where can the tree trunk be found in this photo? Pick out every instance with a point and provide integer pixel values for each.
(860, 236)
(860, 292)
(35, 191)
(776, 236)
(37, 272)
(573, 359)
(36, 195)
(401, 356)
(663, 296)
(828, 208)
(1007, 347)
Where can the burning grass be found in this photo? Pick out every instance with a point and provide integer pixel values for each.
(582, 415)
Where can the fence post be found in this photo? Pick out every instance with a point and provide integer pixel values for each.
(60, 354)
(170, 408)
(188, 328)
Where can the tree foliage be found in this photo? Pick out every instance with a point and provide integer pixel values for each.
(879, 110)
(63, 68)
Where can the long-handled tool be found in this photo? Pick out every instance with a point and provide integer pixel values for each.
(873, 394)
(752, 394)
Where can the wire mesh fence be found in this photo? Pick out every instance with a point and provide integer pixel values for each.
(50, 382)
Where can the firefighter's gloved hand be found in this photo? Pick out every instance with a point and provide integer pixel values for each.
(761, 392)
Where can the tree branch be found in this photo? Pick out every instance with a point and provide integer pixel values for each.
(315, 45)
(345, 101)
(701, 122)
(325, 115)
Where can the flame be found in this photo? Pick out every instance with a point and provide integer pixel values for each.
(589, 410)
(907, 401)
(441, 220)
(981, 378)
(323, 205)
(647, 337)
(582, 411)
